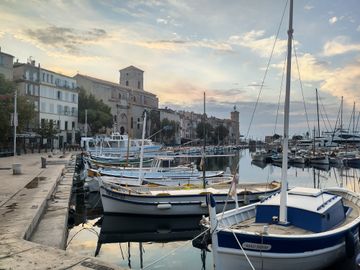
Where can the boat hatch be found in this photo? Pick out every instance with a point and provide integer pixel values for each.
(309, 209)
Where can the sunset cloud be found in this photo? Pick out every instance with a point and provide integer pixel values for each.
(256, 42)
(340, 45)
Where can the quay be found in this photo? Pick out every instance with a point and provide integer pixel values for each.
(34, 206)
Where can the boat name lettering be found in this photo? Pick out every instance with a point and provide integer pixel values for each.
(256, 246)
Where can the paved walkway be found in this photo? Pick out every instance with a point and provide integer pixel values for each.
(23, 199)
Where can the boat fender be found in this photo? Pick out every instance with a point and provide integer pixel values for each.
(164, 206)
(349, 244)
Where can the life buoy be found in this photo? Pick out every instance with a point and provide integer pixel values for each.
(349, 244)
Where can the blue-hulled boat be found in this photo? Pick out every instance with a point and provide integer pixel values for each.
(300, 228)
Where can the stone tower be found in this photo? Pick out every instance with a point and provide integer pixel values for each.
(235, 124)
(132, 77)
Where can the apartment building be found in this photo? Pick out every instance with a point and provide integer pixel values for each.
(55, 98)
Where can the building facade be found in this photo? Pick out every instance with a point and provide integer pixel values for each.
(55, 98)
(190, 120)
(6, 65)
(127, 100)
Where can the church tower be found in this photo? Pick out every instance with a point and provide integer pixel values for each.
(235, 126)
(132, 77)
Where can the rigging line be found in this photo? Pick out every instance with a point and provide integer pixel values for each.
(326, 114)
(174, 250)
(266, 71)
(324, 120)
(281, 87)
(301, 86)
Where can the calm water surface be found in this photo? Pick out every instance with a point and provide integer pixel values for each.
(135, 242)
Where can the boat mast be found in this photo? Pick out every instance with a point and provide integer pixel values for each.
(341, 114)
(353, 118)
(317, 112)
(141, 173)
(204, 147)
(283, 195)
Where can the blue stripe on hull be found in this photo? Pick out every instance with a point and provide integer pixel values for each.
(283, 244)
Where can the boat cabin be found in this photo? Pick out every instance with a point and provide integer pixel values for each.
(307, 208)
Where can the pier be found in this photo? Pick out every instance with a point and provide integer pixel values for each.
(34, 202)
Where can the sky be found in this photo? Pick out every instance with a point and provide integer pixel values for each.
(189, 47)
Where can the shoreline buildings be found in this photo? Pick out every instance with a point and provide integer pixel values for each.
(55, 98)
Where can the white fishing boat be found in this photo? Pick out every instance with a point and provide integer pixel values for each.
(300, 228)
(177, 200)
(119, 145)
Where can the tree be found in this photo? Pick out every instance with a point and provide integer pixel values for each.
(169, 129)
(98, 113)
(220, 133)
(48, 131)
(25, 110)
(155, 124)
(208, 129)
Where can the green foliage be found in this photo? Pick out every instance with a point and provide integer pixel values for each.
(98, 113)
(200, 131)
(220, 133)
(155, 125)
(169, 129)
(25, 110)
(47, 130)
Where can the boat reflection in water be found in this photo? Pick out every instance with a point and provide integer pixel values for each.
(145, 229)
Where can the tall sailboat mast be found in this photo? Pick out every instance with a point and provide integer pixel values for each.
(317, 112)
(283, 195)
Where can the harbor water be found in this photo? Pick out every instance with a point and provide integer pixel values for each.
(149, 242)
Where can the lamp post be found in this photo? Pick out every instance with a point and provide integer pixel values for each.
(15, 120)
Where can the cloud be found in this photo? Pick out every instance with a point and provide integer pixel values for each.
(255, 41)
(68, 39)
(333, 20)
(308, 7)
(161, 21)
(181, 44)
(340, 45)
(344, 81)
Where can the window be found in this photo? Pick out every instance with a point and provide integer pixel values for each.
(138, 123)
(66, 125)
(119, 96)
(42, 122)
(59, 124)
(51, 109)
(52, 78)
(127, 83)
(73, 111)
(73, 125)
(43, 107)
(35, 76)
(66, 110)
(59, 95)
(73, 85)
(27, 75)
(28, 91)
(47, 77)
(138, 84)
(43, 77)
(59, 109)
(73, 97)
(132, 123)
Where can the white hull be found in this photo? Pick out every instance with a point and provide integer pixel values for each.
(173, 202)
(230, 259)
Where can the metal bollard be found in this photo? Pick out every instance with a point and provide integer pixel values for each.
(43, 162)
